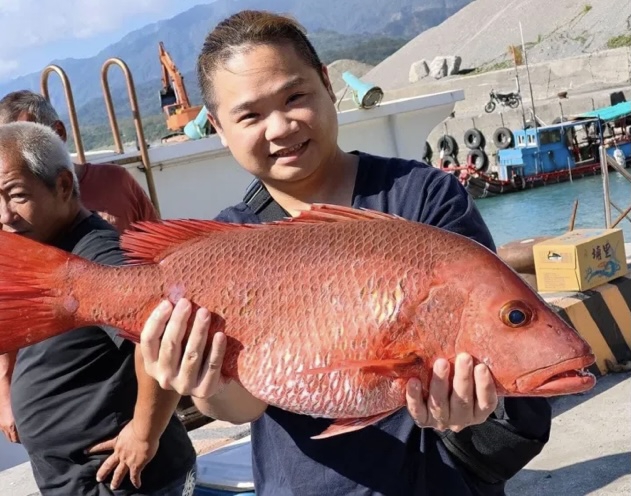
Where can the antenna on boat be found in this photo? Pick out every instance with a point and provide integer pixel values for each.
(532, 98)
(517, 61)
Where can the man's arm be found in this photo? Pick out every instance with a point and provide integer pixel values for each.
(154, 406)
(234, 404)
(189, 368)
(137, 443)
(7, 422)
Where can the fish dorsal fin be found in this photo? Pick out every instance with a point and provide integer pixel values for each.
(152, 241)
(322, 212)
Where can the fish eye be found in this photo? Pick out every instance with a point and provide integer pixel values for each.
(515, 314)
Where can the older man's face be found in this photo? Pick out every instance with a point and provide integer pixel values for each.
(27, 206)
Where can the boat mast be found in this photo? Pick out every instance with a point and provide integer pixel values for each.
(532, 98)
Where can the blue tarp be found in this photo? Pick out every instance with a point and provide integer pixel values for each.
(612, 113)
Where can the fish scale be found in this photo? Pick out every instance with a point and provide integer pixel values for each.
(327, 314)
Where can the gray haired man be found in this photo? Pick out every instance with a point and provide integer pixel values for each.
(85, 409)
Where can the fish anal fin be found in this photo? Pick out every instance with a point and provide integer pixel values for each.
(393, 367)
(322, 212)
(152, 241)
(344, 426)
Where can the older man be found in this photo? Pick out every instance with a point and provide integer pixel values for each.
(72, 392)
(105, 188)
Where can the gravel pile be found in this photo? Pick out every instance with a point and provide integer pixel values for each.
(481, 33)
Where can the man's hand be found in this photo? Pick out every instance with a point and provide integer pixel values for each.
(131, 454)
(473, 397)
(179, 363)
(7, 422)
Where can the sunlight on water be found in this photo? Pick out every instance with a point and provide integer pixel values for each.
(546, 211)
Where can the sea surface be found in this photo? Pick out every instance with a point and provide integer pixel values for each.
(546, 211)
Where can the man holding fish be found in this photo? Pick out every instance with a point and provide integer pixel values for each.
(370, 356)
(270, 99)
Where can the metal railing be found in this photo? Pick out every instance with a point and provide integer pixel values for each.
(72, 113)
(142, 145)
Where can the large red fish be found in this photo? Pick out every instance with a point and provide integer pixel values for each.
(327, 314)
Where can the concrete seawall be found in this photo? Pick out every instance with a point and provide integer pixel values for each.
(588, 80)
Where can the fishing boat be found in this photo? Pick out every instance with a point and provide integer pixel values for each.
(544, 155)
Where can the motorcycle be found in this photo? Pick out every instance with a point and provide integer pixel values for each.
(511, 99)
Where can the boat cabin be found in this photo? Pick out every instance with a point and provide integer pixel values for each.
(540, 150)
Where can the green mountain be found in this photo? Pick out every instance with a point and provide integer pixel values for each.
(364, 30)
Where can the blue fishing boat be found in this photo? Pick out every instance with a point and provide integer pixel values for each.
(544, 155)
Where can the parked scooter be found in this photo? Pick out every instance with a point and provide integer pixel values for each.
(511, 99)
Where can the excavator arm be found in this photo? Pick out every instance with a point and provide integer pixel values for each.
(173, 96)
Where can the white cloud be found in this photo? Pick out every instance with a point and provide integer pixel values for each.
(31, 23)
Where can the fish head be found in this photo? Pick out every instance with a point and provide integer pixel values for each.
(529, 349)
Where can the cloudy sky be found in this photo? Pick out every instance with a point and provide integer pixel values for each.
(35, 32)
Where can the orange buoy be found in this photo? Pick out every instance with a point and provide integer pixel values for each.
(518, 254)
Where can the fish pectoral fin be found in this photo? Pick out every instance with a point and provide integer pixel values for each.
(151, 241)
(344, 426)
(393, 367)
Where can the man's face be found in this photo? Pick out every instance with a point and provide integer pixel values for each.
(275, 113)
(27, 205)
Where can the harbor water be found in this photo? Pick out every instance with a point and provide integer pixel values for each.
(546, 211)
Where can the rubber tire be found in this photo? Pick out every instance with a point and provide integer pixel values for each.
(518, 254)
(428, 153)
(473, 138)
(490, 107)
(514, 103)
(449, 160)
(479, 159)
(448, 144)
(503, 138)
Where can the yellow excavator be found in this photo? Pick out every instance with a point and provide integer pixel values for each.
(173, 97)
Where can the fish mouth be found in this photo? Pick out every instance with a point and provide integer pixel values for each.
(567, 377)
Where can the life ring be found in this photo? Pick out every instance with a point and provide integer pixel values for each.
(448, 144)
(503, 138)
(519, 255)
(473, 139)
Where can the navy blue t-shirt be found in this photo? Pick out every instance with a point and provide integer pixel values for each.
(394, 457)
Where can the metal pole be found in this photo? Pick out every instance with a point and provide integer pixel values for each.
(605, 174)
(532, 98)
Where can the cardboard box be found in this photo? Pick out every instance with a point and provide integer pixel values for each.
(580, 260)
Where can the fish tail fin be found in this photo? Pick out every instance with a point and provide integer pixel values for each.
(33, 306)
